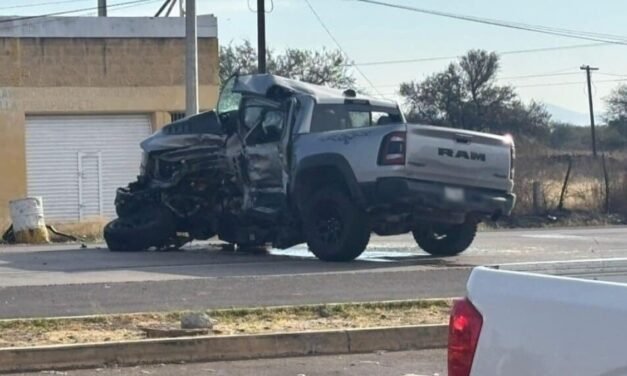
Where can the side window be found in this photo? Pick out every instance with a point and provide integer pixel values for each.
(328, 118)
(252, 116)
(381, 118)
(272, 125)
(386, 117)
(359, 119)
(262, 122)
(332, 117)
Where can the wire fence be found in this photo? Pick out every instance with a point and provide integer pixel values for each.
(571, 182)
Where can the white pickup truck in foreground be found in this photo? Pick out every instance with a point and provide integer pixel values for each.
(546, 319)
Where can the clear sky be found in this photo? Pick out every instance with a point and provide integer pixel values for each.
(370, 33)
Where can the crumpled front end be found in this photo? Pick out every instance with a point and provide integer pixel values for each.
(187, 146)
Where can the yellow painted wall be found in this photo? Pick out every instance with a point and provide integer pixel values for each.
(90, 76)
(12, 160)
(89, 62)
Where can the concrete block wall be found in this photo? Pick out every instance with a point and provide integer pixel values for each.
(77, 75)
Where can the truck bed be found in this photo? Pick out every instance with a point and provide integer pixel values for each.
(555, 318)
(609, 270)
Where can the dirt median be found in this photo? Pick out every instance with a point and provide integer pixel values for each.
(108, 328)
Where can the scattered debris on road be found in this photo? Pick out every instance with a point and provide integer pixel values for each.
(197, 320)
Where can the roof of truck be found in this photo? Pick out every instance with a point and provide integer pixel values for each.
(261, 83)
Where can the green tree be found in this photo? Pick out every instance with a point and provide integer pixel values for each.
(466, 95)
(610, 138)
(569, 137)
(617, 110)
(321, 67)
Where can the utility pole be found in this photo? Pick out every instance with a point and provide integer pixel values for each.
(588, 68)
(261, 35)
(102, 8)
(191, 59)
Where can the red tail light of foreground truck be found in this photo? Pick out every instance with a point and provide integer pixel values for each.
(464, 329)
(392, 151)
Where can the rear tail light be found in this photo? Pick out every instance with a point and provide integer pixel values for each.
(392, 150)
(512, 156)
(509, 140)
(463, 336)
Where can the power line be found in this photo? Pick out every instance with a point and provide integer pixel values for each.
(568, 83)
(5, 20)
(612, 74)
(43, 19)
(43, 4)
(403, 61)
(172, 4)
(514, 77)
(134, 5)
(560, 72)
(598, 37)
(618, 39)
(536, 76)
(337, 43)
(163, 6)
(549, 84)
(511, 52)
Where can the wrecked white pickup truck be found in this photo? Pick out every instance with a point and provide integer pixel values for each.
(281, 162)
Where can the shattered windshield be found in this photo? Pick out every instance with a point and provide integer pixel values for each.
(229, 100)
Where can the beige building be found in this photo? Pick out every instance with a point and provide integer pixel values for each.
(78, 94)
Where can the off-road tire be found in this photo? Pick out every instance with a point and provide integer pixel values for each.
(446, 241)
(129, 204)
(127, 209)
(149, 227)
(335, 228)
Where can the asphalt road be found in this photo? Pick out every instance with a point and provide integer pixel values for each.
(409, 363)
(65, 280)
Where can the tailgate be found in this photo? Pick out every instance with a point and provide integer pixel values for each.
(536, 324)
(458, 157)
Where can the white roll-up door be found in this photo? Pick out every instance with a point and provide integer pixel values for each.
(77, 162)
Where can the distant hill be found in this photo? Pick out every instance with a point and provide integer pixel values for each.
(565, 115)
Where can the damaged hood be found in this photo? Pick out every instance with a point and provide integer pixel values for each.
(260, 84)
(197, 130)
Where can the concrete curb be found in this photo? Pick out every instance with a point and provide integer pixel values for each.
(213, 348)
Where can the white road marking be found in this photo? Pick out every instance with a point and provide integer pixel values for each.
(553, 236)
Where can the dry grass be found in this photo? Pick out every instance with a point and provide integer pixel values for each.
(88, 230)
(586, 187)
(582, 194)
(233, 321)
